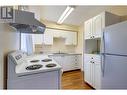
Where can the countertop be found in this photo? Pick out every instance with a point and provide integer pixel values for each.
(64, 54)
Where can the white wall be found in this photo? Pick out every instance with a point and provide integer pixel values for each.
(1, 68)
(79, 48)
(9, 41)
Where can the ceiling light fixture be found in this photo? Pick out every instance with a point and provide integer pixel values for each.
(65, 14)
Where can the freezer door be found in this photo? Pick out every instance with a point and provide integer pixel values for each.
(115, 72)
(115, 39)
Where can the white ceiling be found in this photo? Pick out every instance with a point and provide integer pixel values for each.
(80, 14)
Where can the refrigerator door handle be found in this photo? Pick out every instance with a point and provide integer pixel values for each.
(102, 54)
(102, 64)
(102, 43)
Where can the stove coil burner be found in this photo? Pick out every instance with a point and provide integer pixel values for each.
(46, 60)
(34, 67)
(51, 65)
(34, 61)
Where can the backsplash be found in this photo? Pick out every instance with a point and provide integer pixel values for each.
(58, 45)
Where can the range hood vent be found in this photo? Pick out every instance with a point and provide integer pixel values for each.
(25, 22)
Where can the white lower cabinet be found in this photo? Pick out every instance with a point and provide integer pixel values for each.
(92, 69)
(88, 73)
(68, 62)
(71, 62)
(97, 76)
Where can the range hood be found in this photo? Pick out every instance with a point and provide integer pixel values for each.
(25, 22)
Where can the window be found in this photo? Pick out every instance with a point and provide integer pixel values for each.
(27, 43)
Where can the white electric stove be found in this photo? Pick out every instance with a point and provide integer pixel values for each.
(32, 72)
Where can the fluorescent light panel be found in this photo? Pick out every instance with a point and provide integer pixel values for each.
(65, 14)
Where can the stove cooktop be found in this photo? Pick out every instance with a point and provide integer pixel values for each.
(39, 63)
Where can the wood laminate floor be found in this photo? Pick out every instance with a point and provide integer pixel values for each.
(74, 80)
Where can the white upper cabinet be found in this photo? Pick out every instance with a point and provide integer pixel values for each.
(95, 25)
(88, 29)
(47, 38)
(74, 38)
(56, 34)
(71, 38)
(59, 34)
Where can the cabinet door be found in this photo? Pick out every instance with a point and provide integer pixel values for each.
(48, 37)
(88, 29)
(77, 61)
(87, 69)
(88, 73)
(97, 77)
(69, 40)
(64, 62)
(56, 33)
(68, 63)
(97, 26)
(59, 33)
(97, 72)
(73, 62)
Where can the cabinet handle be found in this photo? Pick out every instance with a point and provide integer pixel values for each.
(92, 62)
(91, 57)
(93, 36)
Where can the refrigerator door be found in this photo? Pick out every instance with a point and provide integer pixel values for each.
(115, 72)
(115, 39)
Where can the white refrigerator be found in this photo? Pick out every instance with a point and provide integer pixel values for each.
(114, 57)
